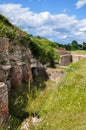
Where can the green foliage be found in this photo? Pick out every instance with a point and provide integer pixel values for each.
(44, 50)
(5, 20)
(12, 32)
(72, 68)
(74, 45)
(84, 45)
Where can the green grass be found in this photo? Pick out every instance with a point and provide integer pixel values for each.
(83, 52)
(21, 98)
(44, 50)
(64, 107)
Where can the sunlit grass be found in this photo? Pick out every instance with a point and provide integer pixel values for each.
(65, 105)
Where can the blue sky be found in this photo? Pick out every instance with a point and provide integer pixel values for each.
(58, 20)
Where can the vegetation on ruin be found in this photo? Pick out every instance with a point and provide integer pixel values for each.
(12, 32)
(63, 107)
(21, 98)
(42, 49)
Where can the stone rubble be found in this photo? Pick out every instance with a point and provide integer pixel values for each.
(34, 121)
(55, 74)
(65, 56)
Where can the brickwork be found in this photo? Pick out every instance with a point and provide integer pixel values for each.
(65, 60)
(2, 75)
(16, 76)
(27, 74)
(4, 44)
(65, 56)
(63, 51)
(4, 112)
(15, 64)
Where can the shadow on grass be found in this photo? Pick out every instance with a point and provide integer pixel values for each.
(20, 99)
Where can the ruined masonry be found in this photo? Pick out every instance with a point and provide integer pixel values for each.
(65, 57)
(16, 63)
(4, 112)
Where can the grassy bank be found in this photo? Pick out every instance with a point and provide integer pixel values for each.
(64, 107)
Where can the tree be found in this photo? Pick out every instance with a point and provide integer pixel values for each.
(67, 47)
(74, 45)
(84, 45)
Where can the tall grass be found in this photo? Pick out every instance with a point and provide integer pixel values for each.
(65, 106)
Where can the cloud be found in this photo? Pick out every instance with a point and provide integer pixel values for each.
(58, 27)
(80, 3)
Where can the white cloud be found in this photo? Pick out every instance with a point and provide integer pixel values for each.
(80, 3)
(83, 29)
(58, 27)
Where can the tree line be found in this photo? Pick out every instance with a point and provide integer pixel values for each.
(74, 45)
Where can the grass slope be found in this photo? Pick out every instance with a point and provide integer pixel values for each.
(64, 107)
(42, 49)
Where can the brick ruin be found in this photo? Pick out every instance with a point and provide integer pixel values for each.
(65, 56)
(4, 111)
(17, 65)
(16, 62)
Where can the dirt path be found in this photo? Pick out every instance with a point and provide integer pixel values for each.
(77, 57)
(55, 74)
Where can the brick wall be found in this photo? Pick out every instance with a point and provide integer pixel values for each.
(4, 44)
(65, 60)
(4, 112)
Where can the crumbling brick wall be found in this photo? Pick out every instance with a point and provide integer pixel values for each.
(65, 60)
(4, 112)
(4, 44)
